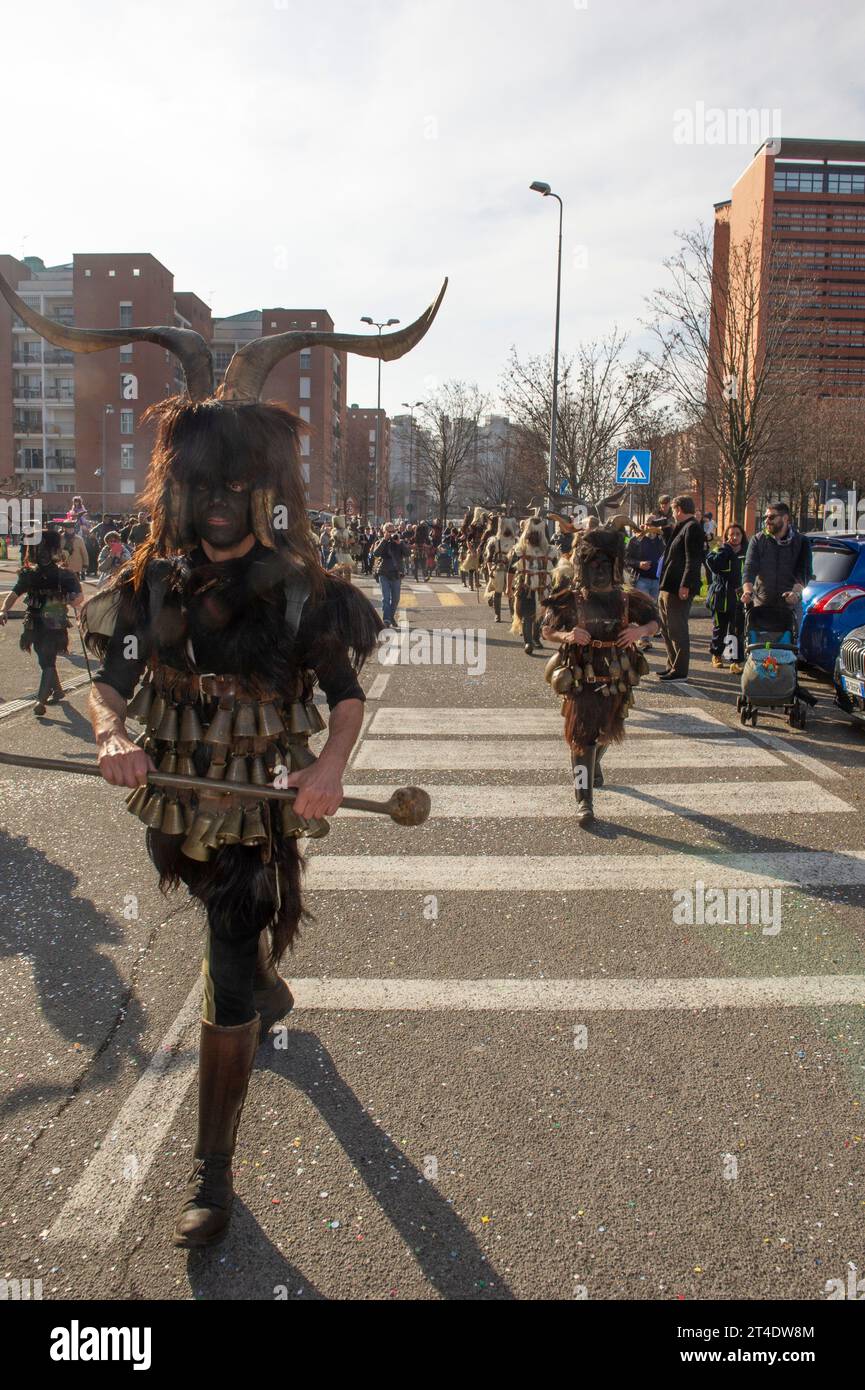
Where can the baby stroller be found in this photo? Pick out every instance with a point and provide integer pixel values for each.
(769, 679)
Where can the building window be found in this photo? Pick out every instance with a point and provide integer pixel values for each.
(127, 422)
(126, 314)
(798, 180)
(126, 353)
(304, 446)
(136, 272)
(221, 360)
(304, 413)
(314, 323)
(127, 456)
(306, 360)
(305, 384)
(87, 274)
(127, 485)
(111, 274)
(372, 436)
(846, 183)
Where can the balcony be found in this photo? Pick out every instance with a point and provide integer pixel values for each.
(64, 394)
(25, 359)
(55, 355)
(26, 393)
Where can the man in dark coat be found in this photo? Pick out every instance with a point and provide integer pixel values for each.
(680, 582)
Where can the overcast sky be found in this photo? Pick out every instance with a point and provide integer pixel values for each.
(348, 154)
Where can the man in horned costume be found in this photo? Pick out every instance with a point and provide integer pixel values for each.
(530, 579)
(497, 552)
(471, 535)
(596, 624)
(224, 621)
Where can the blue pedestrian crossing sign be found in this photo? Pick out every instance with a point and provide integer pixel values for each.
(634, 467)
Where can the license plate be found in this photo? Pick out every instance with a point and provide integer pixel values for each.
(853, 686)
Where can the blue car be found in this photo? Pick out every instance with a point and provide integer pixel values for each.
(834, 600)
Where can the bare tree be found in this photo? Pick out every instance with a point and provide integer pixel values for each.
(600, 396)
(447, 443)
(733, 349)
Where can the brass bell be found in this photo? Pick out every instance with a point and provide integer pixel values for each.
(258, 771)
(190, 726)
(254, 832)
(237, 771)
(269, 722)
(219, 729)
(169, 726)
(142, 739)
(211, 837)
(168, 761)
(151, 811)
(139, 706)
(317, 829)
(186, 767)
(157, 709)
(232, 827)
(216, 771)
(298, 719)
(300, 756)
(188, 814)
(244, 722)
(315, 718)
(193, 846)
(137, 797)
(291, 823)
(172, 819)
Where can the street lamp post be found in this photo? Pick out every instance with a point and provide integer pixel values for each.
(547, 192)
(411, 407)
(108, 410)
(387, 324)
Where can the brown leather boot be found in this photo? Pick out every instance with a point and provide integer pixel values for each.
(273, 998)
(225, 1063)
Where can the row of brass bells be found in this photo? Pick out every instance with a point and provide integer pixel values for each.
(294, 825)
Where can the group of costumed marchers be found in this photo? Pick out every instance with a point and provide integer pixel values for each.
(218, 659)
(596, 623)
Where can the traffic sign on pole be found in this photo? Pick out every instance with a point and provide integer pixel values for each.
(634, 467)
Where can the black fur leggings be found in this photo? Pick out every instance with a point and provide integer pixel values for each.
(229, 974)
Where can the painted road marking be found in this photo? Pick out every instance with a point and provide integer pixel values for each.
(581, 873)
(378, 687)
(526, 722)
(653, 799)
(733, 992)
(105, 1192)
(713, 754)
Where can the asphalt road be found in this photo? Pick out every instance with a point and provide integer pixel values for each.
(514, 1070)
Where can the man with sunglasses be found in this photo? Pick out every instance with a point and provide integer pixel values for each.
(777, 565)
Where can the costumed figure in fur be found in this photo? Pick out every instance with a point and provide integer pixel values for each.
(596, 624)
(473, 528)
(341, 549)
(497, 554)
(217, 633)
(530, 571)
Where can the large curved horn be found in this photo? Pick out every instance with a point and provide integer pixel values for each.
(252, 364)
(185, 343)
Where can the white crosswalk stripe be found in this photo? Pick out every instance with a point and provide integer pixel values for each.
(519, 723)
(647, 801)
(581, 873)
(710, 753)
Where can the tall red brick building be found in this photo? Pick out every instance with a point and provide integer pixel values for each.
(62, 414)
(800, 205)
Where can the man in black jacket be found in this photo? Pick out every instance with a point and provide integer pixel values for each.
(680, 581)
(778, 564)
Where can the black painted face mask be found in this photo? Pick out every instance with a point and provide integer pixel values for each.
(220, 512)
(598, 572)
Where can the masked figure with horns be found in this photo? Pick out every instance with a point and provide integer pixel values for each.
(217, 632)
(596, 624)
(497, 550)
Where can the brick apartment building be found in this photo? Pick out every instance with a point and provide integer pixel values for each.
(805, 200)
(363, 423)
(62, 413)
